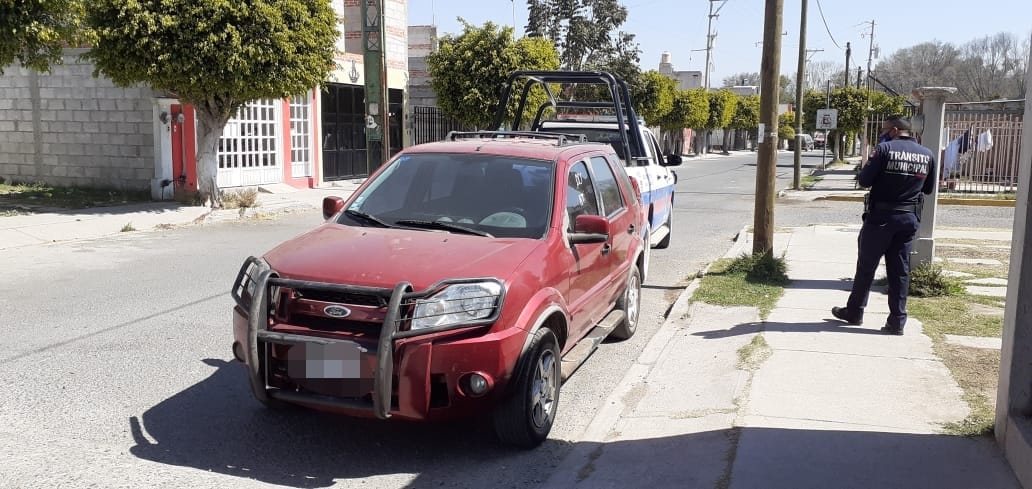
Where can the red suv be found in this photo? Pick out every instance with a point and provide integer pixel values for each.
(464, 277)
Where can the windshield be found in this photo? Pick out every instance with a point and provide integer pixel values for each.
(477, 194)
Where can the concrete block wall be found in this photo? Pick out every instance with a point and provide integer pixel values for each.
(68, 128)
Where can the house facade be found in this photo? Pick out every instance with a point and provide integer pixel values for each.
(71, 129)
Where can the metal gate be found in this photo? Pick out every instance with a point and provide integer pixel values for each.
(983, 149)
(249, 149)
(429, 124)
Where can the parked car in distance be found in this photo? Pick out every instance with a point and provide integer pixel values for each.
(808, 142)
(818, 140)
(464, 277)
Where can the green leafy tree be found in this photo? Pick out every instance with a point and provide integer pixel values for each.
(587, 34)
(470, 69)
(215, 55)
(723, 104)
(747, 115)
(689, 109)
(852, 104)
(33, 32)
(653, 96)
(786, 126)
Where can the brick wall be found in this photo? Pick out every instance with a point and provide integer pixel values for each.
(68, 128)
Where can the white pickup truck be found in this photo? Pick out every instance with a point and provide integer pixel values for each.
(652, 172)
(636, 146)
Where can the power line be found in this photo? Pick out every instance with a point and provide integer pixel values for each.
(821, 10)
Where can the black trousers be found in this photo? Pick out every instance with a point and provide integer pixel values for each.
(888, 234)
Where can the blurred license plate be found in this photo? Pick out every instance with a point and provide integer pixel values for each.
(337, 360)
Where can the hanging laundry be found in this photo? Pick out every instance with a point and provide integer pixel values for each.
(984, 142)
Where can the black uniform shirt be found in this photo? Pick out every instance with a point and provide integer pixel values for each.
(899, 171)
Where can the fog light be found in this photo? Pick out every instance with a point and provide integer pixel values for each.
(477, 385)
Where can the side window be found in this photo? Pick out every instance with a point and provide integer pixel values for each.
(650, 148)
(580, 193)
(605, 180)
(657, 148)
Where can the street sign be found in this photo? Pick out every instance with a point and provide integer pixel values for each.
(827, 118)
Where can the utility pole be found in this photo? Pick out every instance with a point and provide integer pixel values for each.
(859, 76)
(702, 139)
(864, 144)
(766, 165)
(797, 168)
(377, 119)
(849, 53)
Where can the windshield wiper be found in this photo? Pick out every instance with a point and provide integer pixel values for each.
(446, 226)
(367, 218)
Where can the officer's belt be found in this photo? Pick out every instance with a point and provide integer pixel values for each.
(891, 207)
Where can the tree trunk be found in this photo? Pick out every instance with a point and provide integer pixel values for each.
(212, 126)
(727, 141)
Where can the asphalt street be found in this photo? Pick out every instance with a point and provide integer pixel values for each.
(115, 357)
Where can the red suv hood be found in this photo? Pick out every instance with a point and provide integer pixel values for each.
(377, 257)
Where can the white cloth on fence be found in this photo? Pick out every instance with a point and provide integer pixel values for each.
(949, 162)
(985, 141)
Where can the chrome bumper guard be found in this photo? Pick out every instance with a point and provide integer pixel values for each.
(256, 302)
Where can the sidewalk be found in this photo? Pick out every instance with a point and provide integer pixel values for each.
(50, 227)
(822, 405)
(838, 182)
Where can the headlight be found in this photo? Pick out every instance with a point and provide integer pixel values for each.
(457, 304)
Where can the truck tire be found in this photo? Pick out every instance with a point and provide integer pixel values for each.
(630, 303)
(525, 416)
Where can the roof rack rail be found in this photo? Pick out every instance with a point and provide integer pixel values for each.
(560, 139)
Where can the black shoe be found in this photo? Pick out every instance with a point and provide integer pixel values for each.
(893, 330)
(843, 314)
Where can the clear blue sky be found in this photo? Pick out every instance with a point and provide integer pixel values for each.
(679, 26)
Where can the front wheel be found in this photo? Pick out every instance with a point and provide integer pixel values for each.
(630, 303)
(525, 417)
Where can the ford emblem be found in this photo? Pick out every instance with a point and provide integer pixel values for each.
(337, 311)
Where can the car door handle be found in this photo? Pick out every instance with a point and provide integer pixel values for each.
(630, 229)
(607, 248)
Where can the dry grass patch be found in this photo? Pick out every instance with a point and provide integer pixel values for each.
(977, 372)
(240, 199)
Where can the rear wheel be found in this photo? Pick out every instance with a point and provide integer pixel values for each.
(630, 303)
(525, 417)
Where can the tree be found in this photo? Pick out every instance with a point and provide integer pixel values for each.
(742, 79)
(653, 96)
(786, 126)
(470, 70)
(747, 114)
(818, 73)
(850, 103)
(215, 55)
(690, 109)
(33, 32)
(587, 34)
(723, 104)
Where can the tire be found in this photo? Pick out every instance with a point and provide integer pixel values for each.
(630, 303)
(665, 242)
(525, 416)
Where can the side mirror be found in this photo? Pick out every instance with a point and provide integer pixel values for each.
(331, 206)
(673, 160)
(590, 229)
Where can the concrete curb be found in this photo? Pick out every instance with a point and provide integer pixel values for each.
(942, 201)
(613, 407)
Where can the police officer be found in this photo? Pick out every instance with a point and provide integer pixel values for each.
(900, 172)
